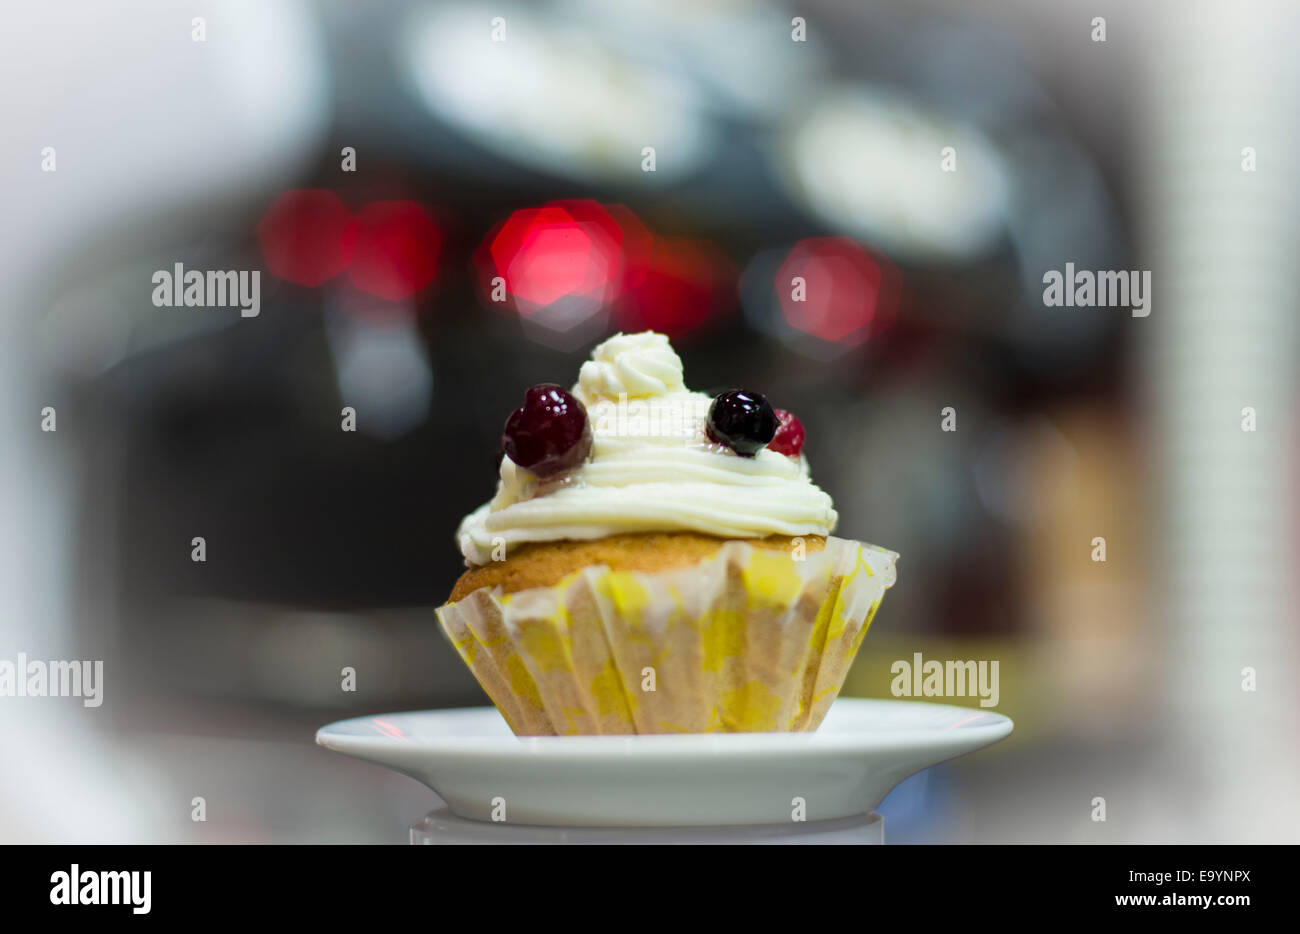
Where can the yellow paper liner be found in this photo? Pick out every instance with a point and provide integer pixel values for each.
(748, 640)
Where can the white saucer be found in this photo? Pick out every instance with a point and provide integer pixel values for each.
(472, 760)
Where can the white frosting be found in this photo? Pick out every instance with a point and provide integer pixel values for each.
(651, 469)
(634, 365)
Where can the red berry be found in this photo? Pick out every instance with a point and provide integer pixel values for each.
(788, 439)
(549, 433)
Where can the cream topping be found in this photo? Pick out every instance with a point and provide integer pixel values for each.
(651, 469)
(632, 365)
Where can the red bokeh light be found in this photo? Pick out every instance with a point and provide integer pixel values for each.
(637, 244)
(562, 250)
(307, 236)
(681, 284)
(397, 248)
(595, 219)
(554, 259)
(565, 261)
(834, 289)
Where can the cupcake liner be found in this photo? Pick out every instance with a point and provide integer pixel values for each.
(749, 640)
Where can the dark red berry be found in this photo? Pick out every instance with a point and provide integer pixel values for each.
(742, 420)
(549, 433)
(788, 439)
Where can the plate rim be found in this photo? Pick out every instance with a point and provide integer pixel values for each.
(597, 746)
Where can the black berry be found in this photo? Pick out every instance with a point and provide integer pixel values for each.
(549, 433)
(742, 420)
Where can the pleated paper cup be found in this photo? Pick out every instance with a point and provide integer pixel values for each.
(748, 640)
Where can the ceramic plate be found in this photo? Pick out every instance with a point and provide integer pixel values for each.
(472, 760)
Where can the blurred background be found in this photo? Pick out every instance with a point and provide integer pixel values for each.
(634, 165)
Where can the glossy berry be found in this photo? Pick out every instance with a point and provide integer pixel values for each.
(742, 420)
(788, 439)
(549, 433)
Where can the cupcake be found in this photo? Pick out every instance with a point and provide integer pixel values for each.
(658, 561)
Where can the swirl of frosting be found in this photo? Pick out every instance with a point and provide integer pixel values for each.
(651, 469)
(631, 365)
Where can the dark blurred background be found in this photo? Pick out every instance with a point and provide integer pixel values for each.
(381, 163)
